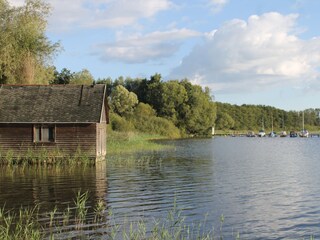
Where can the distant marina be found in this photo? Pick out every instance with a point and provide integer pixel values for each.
(260, 134)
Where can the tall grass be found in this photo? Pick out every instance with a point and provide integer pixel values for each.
(128, 142)
(44, 157)
(82, 222)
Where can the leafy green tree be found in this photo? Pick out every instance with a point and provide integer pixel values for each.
(122, 101)
(63, 77)
(173, 96)
(199, 113)
(25, 50)
(224, 121)
(144, 109)
(153, 92)
(83, 77)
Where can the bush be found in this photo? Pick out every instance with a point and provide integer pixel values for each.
(144, 109)
(156, 125)
(120, 124)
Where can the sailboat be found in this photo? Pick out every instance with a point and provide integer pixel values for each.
(304, 132)
(272, 133)
(283, 132)
(262, 132)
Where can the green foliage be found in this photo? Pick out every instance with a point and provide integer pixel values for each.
(63, 77)
(84, 77)
(144, 109)
(156, 125)
(79, 222)
(120, 124)
(173, 97)
(224, 121)
(255, 117)
(128, 142)
(144, 120)
(122, 101)
(25, 51)
(199, 112)
(189, 107)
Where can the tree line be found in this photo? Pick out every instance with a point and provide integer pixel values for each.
(188, 107)
(255, 117)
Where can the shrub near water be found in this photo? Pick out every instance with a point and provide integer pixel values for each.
(120, 124)
(124, 142)
(144, 120)
(157, 125)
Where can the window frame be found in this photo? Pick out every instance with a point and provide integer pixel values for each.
(38, 129)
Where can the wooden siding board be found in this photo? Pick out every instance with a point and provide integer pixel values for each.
(69, 137)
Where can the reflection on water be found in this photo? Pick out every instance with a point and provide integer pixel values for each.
(50, 186)
(265, 188)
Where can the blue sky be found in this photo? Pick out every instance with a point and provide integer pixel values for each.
(247, 51)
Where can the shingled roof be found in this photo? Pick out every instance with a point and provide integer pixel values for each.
(51, 103)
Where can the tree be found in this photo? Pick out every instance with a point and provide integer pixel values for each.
(83, 77)
(123, 101)
(63, 77)
(224, 121)
(154, 92)
(199, 112)
(25, 51)
(173, 96)
(144, 110)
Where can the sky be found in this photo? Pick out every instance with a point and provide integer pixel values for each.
(246, 51)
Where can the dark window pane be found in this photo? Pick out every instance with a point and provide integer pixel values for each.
(51, 134)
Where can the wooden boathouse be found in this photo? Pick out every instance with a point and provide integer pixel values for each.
(67, 118)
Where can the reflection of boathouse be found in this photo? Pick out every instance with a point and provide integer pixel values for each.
(54, 118)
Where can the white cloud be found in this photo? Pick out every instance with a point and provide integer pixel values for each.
(143, 48)
(103, 13)
(217, 5)
(260, 53)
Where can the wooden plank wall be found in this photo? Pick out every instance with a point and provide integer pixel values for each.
(69, 138)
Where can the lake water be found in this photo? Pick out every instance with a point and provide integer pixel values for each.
(266, 188)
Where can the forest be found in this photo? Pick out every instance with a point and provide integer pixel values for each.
(255, 117)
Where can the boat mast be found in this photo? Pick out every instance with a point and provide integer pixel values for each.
(303, 121)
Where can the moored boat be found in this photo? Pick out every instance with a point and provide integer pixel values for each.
(283, 134)
(251, 134)
(272, 134)
(304, 133)
(261, 133)
(293, 134)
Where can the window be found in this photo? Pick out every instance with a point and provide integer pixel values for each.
(44, 134)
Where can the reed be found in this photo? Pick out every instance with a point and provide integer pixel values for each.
(128, 142)
(44, 157)
(77, 223)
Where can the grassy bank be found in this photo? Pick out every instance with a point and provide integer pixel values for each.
(129, 142)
